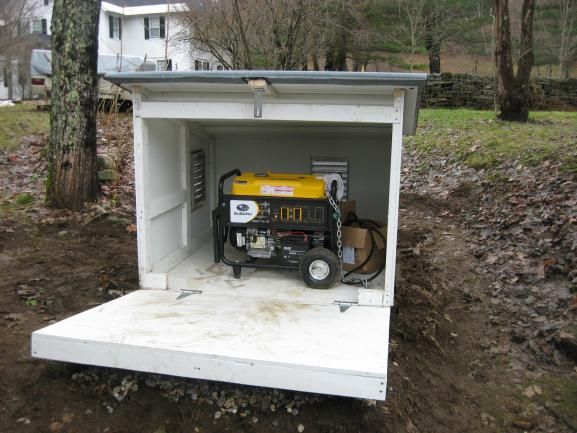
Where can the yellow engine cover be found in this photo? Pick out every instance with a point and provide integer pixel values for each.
(279, 185)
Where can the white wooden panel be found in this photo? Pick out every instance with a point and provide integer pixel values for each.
(165, 234)
(393, 202)
(149, 280)
(165, 162)
(140, 181)
(168, 202)
(285, 112)
(268, 343)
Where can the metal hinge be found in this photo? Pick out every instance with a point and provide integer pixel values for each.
(344, 306)
(184, 293)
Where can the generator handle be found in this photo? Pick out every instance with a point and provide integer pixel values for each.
(223, 178)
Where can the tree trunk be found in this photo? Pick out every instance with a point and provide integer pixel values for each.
(433, 46)
(434, 51)
(72, 177)
(513, 90)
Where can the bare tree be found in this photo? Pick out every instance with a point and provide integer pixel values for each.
(276, 34)
(567, 36)
(72, 177)
(414, 11)
(444, 20)
(399, 25)
(13, 19)
(513, 88)
(16, 42)
(219, 28)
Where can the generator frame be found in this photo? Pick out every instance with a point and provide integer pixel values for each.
(221, 224)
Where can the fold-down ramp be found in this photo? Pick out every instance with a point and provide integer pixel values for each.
(289, 345)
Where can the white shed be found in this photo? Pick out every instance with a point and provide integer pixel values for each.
(192, 318)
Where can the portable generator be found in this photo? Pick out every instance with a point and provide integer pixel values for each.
(282, 221)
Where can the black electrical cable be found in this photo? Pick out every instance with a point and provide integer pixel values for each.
(372, 227)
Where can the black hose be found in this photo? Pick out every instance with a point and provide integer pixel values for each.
(372, 227)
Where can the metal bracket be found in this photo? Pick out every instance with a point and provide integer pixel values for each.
(258, 94)
(259, 87)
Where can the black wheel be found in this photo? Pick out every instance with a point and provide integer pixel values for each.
(319, 268)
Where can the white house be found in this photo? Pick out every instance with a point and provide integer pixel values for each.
(140, 28)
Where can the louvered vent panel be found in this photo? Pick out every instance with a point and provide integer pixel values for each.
(198, 177)
(322, 165)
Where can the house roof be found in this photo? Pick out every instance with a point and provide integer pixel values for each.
(142, 7)
(136, 3)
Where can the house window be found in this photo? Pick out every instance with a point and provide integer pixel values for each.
(40, 26)
(164, 65)
(114, 27)
(201, 65)
(219, 68)
(46, 2)
(154, 27)
(197, 178)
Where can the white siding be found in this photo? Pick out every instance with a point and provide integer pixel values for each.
(133, 42)
(39, 11)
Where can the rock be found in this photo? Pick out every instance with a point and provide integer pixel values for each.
(532, 391)
(217, 414)
(108, 174)
(522, 424)
(62, 233)
(14, 317)
(118, 220)
(518, 336)
(541, 308)
(300, 428)
(567, 340)
(104, 162)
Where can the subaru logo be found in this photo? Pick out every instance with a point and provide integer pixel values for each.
(242, 207)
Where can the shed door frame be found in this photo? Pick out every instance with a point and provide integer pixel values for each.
(222, 111)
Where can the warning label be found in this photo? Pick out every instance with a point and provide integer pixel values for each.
(286, 191)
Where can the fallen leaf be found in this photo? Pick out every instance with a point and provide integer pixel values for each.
(131, 228)
(56, 426)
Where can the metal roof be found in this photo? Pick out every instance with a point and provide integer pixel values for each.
(281, 77)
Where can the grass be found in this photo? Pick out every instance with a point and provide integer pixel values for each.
(19, 121)
(480, 141)
(560, 397)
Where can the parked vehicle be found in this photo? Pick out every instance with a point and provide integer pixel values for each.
(41, 73)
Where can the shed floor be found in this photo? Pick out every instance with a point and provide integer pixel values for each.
(199, 272)
(265, 342)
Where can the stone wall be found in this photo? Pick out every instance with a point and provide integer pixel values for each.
(462, 90)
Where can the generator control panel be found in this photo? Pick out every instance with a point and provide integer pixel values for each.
(278, 212)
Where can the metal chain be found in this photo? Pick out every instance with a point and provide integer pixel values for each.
(335, 206)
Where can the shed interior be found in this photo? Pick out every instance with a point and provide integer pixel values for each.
(179, 244)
